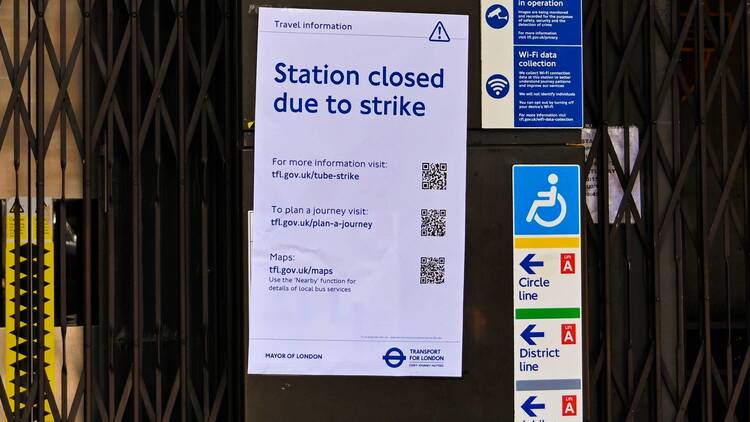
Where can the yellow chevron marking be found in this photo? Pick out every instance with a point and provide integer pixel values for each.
(13, 292)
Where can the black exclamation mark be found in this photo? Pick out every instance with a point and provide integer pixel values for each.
(440, 32)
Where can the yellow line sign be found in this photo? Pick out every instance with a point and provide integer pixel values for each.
(547, 242)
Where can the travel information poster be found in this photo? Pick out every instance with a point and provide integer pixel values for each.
(357, 258)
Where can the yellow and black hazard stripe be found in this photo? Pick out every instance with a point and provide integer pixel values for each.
(21, 307)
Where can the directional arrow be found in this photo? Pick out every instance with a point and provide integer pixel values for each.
(528, 334)
(527, 264)
(529, 406)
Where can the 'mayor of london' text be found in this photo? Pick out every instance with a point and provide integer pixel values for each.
(313, 25)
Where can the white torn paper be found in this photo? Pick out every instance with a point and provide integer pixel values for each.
(617, 136)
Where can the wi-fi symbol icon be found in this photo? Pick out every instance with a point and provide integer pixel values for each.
(497, 86)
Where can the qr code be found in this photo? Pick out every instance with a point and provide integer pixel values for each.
(432, 270)
(434, 176)
(433, 222)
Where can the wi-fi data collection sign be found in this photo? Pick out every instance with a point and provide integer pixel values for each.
(532, 61)
(357, 256)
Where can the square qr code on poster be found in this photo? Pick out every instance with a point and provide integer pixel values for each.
(434, 176)
(432, 270)
(433, 222)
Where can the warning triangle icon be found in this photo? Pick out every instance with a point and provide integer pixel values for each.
(439, 34)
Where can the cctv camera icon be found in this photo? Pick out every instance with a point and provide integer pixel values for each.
(496, 14)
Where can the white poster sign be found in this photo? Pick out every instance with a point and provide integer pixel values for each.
(360, 178)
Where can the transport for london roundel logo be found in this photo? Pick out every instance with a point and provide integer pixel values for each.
(394, 357)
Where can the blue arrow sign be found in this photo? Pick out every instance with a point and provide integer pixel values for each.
(529, 406)
(528, 334)
(527, 264)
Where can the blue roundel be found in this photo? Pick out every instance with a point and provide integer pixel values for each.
(497, 86)
(394, 357)
(497, 16)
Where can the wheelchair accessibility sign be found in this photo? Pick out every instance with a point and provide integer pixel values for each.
(546, 200)
(547, 293)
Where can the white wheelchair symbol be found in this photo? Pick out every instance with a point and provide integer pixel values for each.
(548, 199)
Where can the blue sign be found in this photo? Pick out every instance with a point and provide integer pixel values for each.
(547, 22)
(546, 200)
(546, 70)
(394, 357)
(497, 16)
(548, 86)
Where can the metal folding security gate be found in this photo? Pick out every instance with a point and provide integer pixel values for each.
(669, 283)
(118, 119)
